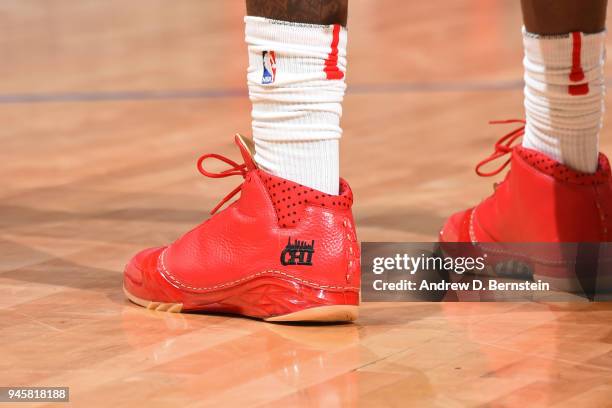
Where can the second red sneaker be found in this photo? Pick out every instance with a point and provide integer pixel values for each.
(281, 252)
(539, 201)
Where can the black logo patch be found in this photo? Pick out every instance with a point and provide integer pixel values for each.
(297, 253)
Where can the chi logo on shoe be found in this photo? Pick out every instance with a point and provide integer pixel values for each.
(269, 67)
(297, 253)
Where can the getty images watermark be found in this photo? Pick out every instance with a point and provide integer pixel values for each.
(434, 263)
(485, 272)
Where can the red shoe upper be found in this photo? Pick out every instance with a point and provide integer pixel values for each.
(277, 228)
(540, 200)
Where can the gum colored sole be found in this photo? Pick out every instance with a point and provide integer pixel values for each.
(335, 313)
(159, 306)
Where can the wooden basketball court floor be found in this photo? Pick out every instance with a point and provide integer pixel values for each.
(104, 108)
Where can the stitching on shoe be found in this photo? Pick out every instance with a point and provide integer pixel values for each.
(471, 229)
(163, 270)
(602, 215)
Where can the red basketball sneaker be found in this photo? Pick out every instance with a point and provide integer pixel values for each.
(540, 200)
(281, 252)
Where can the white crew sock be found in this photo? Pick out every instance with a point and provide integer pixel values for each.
(564, 96)
(296, 84)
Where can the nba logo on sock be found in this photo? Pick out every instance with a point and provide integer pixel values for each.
(269, 67)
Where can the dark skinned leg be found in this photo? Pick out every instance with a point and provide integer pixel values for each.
(550, 17)
(300, 11)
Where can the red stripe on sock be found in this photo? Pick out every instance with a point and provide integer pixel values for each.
(576, 90)
(577, 74)
(331, 63)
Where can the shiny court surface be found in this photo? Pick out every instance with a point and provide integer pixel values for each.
(105, 106)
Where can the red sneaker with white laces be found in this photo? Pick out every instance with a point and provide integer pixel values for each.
(540, 200)
(281, 252)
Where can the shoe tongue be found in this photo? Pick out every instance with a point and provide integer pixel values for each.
(247, 150)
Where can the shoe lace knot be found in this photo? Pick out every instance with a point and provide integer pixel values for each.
(235, 169)
(504, 146)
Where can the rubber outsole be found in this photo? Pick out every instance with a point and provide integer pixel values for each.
(334, 313)
(151, 305)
